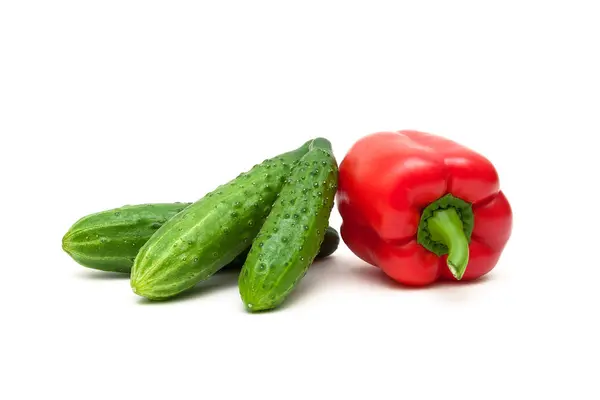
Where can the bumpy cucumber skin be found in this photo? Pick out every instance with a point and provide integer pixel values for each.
(293, 232)
(110, 240)
(210, 233)
(328, 247)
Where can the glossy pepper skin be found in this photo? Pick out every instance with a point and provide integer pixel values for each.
(422, 207)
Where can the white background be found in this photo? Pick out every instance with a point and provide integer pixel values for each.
(121, 102)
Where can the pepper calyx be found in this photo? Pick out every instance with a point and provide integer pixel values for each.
(446, 227)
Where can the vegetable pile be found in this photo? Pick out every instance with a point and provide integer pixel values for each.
(420, 207)
(272, 219)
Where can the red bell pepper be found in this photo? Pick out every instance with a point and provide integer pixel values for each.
(422, 207)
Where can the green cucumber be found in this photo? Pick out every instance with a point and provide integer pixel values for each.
(292, 234)
(328, 247)
(110, 240)
(210, 233)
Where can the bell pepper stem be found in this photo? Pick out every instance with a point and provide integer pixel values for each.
(446, 227)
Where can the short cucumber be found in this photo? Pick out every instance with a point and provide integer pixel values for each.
(293, 232)
(110, 240)
(210, 233)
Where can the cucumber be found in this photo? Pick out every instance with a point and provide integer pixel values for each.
(210, 233)
(328, 247)
(110, 240)
(293, 232)
(331, 241)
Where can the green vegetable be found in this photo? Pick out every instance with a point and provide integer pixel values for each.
(110, 240)
(328, 247)
(291, 236)
(210, 233)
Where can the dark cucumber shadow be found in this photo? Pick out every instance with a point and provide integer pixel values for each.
(225, 278)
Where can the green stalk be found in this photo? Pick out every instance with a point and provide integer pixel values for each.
(445, 226)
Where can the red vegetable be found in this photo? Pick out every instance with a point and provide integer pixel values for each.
(422, 207)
